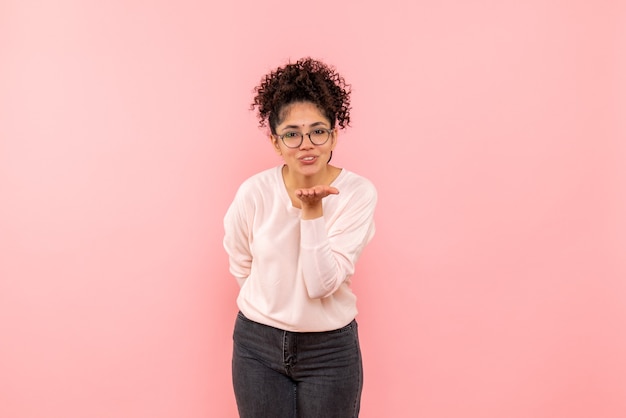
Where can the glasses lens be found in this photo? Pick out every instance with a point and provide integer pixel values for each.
(292, 139)
(319, 136)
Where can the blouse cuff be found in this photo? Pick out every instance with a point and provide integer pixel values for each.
(313, 232)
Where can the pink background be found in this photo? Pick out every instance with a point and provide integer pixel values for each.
(495, 133)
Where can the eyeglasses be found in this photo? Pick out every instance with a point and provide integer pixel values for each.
(293, 139)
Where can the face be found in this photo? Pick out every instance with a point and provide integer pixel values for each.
(308, 159)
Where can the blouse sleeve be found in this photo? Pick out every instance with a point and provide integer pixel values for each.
(237, 240)
(328, 254)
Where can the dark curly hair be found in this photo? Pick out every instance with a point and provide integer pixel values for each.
(307, 80)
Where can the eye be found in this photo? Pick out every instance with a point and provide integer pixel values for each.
(319, 131)
(291, 135)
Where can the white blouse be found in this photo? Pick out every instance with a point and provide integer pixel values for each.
(295, 274)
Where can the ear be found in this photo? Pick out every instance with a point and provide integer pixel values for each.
(275, 144)
(333, 138)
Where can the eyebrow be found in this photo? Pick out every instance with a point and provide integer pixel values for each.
(311, 125)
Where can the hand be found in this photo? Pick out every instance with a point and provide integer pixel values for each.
(315, 194)
(311, 199)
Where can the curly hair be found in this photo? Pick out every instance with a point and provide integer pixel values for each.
(307, 80)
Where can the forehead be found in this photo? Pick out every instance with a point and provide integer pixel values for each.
(301, 113)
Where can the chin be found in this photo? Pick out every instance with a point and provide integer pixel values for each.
(310, 170)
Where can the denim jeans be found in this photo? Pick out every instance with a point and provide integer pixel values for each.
(282, 374)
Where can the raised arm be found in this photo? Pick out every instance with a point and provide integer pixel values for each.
(331, 245)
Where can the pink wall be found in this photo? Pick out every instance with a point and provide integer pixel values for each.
(494, 130)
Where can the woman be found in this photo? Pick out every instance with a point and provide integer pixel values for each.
(293, 235)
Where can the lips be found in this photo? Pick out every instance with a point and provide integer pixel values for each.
(308, 159)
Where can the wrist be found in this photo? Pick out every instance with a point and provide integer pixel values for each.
(312, 211)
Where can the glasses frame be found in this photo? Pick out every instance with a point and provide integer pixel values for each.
(302, 135)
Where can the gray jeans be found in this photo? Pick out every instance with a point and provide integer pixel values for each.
(282, 374)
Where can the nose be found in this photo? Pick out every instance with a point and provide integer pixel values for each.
(306, 141)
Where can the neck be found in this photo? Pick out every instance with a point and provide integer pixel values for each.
(294, 181)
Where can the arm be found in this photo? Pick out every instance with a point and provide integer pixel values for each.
(328, 255)
(237, 240)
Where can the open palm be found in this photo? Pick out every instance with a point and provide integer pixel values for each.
(315, 194)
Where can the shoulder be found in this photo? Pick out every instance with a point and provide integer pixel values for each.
(255, 192)
(353, 183)
(259, 182)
